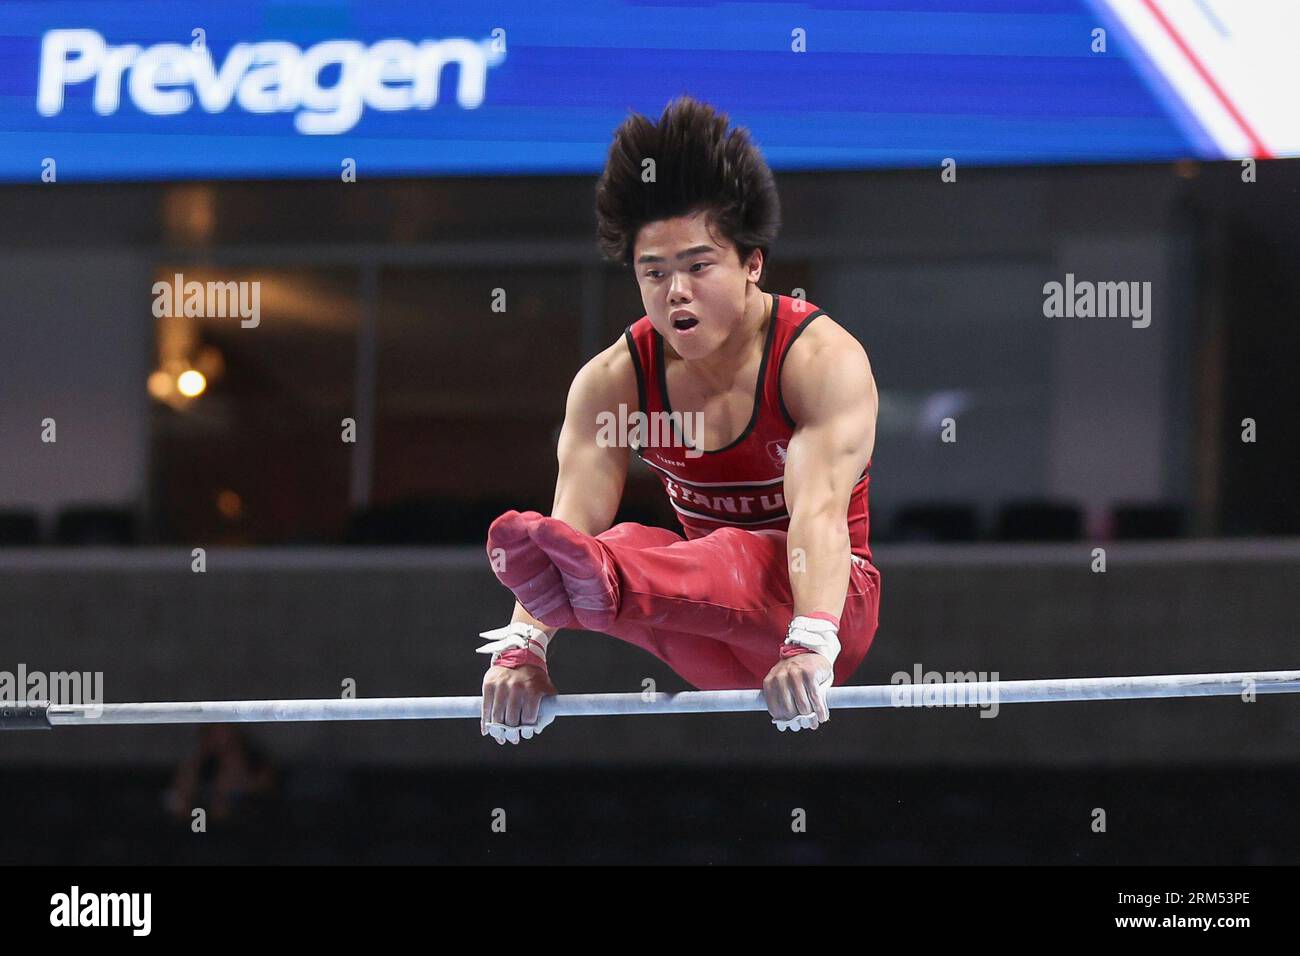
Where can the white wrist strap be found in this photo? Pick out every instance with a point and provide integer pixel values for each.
(514, 636)
(816, 635)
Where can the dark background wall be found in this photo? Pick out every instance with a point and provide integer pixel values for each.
(941, 282)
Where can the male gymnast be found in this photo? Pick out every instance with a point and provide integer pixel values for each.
(773, 584)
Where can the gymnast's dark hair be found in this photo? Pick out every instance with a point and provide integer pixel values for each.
(699, 165)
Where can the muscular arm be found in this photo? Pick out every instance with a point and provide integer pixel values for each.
(831, 394)
(591, 478)
(590, 482)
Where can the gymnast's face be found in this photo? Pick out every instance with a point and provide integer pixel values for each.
(693, 284)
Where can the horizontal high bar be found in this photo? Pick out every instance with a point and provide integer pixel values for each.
(963, 693)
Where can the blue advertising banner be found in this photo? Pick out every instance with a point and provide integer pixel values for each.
(182, 89)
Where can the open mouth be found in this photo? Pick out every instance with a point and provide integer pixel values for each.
(684, 323)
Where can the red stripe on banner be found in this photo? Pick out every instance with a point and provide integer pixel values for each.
(1257, 146)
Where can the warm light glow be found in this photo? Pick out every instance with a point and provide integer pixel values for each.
(190, 211)
(161, 385)
(229, 504)
(191, 383)
(210, 363)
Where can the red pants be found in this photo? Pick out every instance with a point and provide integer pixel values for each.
(716, 609)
